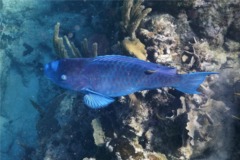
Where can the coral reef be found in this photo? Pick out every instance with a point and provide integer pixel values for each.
(213, 19)
(162, 39)
(4, 70)
(203, 126)
(163, 124)
(63, 140)
(196, 35)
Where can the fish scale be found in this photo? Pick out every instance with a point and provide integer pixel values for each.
(126, 78)
(103, 78)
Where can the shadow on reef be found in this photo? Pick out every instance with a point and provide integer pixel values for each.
(66, 135)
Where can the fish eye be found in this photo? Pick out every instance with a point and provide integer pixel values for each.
(63, 77)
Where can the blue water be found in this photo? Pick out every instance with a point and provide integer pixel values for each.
(39, 120)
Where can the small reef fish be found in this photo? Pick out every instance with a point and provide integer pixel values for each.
(103, 78)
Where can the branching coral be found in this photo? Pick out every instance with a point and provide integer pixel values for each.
(63, 45)
(58, 43)
(85, 50)
(132, 15)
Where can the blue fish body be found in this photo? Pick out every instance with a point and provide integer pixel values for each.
(103, 78)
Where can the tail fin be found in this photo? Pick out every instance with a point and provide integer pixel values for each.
(189, 83)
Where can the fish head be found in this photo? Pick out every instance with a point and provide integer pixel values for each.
(54, 72)
(63, 73)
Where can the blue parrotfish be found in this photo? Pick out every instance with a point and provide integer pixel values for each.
(103, 78)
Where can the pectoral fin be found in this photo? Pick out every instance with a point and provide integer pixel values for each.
(97, 101)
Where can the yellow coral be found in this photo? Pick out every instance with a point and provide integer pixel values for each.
(135, 48)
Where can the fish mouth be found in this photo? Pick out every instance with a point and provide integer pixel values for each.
(46, 66)
(47, 70)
